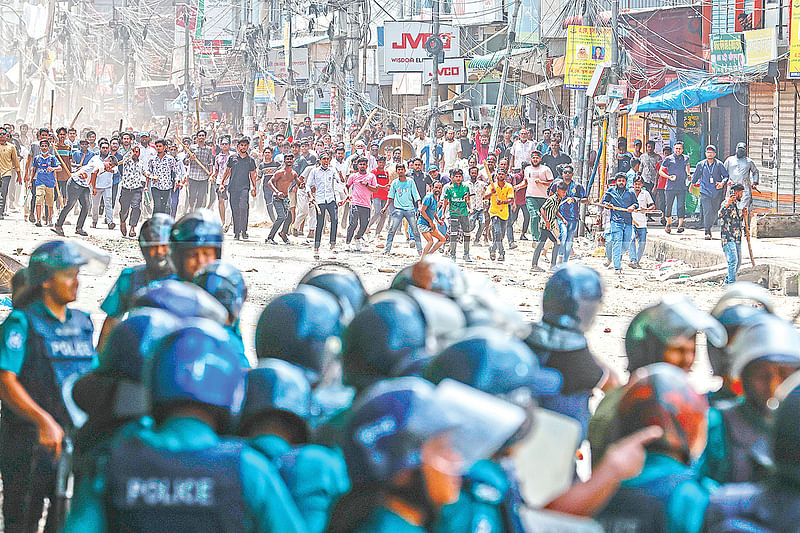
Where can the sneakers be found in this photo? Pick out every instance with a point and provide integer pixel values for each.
(38, 223)
(111, 225)
(271, 241)
(467, 258)
(501, 257)
(512, 245)
(708, 236)
(536, 268)
(492, 255)
(284, 237)
(523, 237)
(681, 229)
(634, 264)
(79, 231)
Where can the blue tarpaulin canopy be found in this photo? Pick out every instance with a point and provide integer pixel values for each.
(683, 94)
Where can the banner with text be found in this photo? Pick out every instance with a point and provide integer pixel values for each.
(727, 54)
(586, 47)
(404, 45)
(794, 40)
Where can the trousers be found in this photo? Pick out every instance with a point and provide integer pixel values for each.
(104, 196)
(534, 204)
(240, 209)
(398, 215)
(75, 194)
(709, 210)
(197, 194)
(130, 200)
(282, 217)
(499, 231)
(546, 235)
(161, 200)
(359, 218)
(330, 208)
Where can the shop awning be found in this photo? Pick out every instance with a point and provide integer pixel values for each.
(543, 86)
(490, 60)
(680, 95)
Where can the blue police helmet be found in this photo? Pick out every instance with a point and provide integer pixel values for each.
(182, 299)
(785, 430)
(278, 387)
(199, 364)
(732, 318)
(52, 257)
(124, 353)
(224, 282)
(493, 362)
(197, 229)
(342, 282)
(303, 327)
(572, 297)
(387, 338)
(156, 231)
(388, 427)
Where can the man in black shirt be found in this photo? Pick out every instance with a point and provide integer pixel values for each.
(466, 143)
(421, 180)
(623, 156)
(239, 177)
(555, 158)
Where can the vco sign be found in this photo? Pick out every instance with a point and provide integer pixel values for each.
(452, 72)
(404, 48)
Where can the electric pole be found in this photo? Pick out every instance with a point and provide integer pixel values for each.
(510, 37)
(127, 67)
(291, 101)
(613, 133)
(186, 68)
(434, 100)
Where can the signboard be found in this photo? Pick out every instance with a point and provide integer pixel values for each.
(460, 12)
(793, 64)
(277, 59)
(727, 54)
(263, 90)
(322, 105)
(617, 91)
(587, 46)
(407, 83)
(451, 72)
(634, 130)
(404, 43)
(760, 47)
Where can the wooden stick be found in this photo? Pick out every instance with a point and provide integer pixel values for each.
(52, 102)
(119, 129)
(166, 130)
(186, 149)
(74, 120)
(747, 236)
(615, 208)
(364, 127)
(197, 110)
(64, 168)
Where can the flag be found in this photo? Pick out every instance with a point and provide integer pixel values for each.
(289, 132)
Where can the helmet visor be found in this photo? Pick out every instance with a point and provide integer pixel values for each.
(744, 292)
(95, 261)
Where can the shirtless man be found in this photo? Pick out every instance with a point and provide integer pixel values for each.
(280, 183)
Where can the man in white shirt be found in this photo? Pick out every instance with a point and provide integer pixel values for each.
(101, 191)
(420, 141)
(452, 151)
(322, 195)
(639, 237)
(521, 150)
(343, 169)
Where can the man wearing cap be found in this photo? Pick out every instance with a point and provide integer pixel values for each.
(742, 170)
(712, 176)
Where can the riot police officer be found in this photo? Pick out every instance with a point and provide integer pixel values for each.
(154, 243)
(45, 347)
(182, 299)
(224, 282)
(195, 241)
(274, 419)
(181, 476)
(340, 281)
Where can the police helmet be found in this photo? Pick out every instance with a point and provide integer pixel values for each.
(654, 327)
(278, 387)
(769, 338)
(404, 278)
(342, 282)
(55, 256)
(785, 431)
(197, 229)
(182, 299)
(224, 282)
(303, 327)
(155, 232)
(197, 364)
(660, 394)
(438, 274)
(391, 426)
(572, 297)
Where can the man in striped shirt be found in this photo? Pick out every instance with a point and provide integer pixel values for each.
(548, 224)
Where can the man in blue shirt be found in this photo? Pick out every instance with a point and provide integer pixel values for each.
(675, 169)
(711, 175)
(622, 203)
(44, 166)
(404, 196)
(570, 209)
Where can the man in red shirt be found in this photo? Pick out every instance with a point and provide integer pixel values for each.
(380, 196)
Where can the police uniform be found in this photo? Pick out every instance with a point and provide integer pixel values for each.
(316, 476)
(478, 508)
(183, 477)
(237, 342)
(120, 297)
(735, 432)
(47, 355)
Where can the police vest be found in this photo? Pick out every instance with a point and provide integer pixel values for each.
(56, 354)
(748, 508)
(193, 491)
(641, 509)
(138, 277)
(740, 437)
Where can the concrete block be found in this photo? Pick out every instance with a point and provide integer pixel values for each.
(766, 225)
(789, 283)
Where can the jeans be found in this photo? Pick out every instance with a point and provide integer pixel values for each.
(512, 219)
(197, 194)
(114, 189)
(396, 221)
(160, 200)
(240, 209)
(459, 224)
(620, 237)
(534, 204)
(174, 200)
(377, 215)
(733, 254)
(477, 218)
(75, 194)
(282, 218)
(638, 242)
(567, 237)
(671, 197)
(103, 195)
(359, 217)
(546, 235)
(499, 231)
(4, 193)
(709, 209)
(330, 208)
(130, 200)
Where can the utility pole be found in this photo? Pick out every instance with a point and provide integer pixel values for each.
(510, 37)
(351, 66)
(613, 133)
(341, 56)
(186, 67)
(127, 67)
(434, 99)
(291, 101)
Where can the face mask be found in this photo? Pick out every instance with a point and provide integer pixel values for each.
(740, 152)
